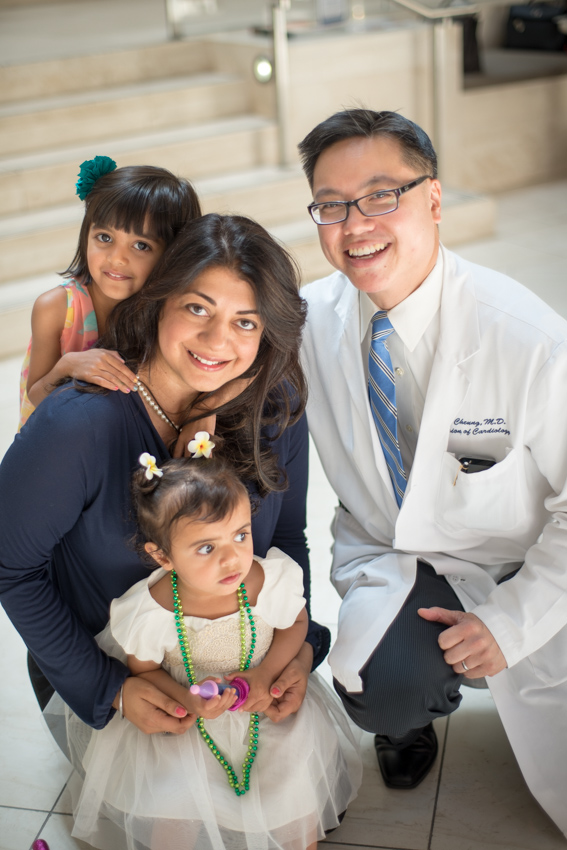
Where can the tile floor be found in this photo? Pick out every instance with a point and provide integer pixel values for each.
(475, 798)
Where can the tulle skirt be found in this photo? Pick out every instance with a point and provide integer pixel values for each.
(168, 792)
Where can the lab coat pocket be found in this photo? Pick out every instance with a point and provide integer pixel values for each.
(489, 501)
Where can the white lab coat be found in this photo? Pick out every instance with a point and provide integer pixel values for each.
(497, 390)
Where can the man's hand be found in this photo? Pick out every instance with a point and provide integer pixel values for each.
(151, 710)
(467, 639)
(288, 692)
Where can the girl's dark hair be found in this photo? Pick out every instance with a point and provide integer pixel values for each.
(207, 490)
(241, 245)
(415, 145)
(138, 199)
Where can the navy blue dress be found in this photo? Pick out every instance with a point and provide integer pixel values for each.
(66, 530)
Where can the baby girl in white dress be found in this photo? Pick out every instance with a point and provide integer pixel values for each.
(212, 611)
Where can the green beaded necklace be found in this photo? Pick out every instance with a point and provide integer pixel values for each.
(240, 786)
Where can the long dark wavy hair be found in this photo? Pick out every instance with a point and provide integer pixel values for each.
(276, 396)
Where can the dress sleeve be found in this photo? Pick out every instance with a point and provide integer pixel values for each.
(289, 533)
(140, 626)
(281, 598)
(42, 495)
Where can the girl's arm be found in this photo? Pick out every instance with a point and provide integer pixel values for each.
(193, 704)
(48, 321)
(286, 644)
(48, 365)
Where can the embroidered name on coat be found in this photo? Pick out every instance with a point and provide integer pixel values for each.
(474, 427)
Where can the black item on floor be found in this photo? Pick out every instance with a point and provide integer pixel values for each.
(537, 26)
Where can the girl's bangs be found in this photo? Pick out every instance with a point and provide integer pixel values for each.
(134, 211)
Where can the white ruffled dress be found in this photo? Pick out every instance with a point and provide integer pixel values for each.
(168, 792)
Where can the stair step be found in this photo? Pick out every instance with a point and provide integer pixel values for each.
(101, 70)
(22, 293)
(90, 116)
(33, 181)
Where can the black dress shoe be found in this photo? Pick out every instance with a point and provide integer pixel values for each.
(407, 767)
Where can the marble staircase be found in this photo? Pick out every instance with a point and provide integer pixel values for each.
(176, 104)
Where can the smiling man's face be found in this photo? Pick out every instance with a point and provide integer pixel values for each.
(387, 256)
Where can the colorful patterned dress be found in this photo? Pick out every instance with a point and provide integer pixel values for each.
(79, 334)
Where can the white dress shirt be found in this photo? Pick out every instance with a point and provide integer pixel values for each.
(412, 348)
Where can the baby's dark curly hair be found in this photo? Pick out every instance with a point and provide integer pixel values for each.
(203, 489)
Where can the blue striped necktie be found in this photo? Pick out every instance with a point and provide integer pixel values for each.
(382, 395)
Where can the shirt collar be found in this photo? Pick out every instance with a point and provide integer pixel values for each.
(412, 316)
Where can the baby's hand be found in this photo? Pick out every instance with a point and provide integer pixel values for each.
(259, 698)
(211, 708)
(101, 367)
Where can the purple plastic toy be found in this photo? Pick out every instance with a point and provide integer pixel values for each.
(40, 844)
(210, 689)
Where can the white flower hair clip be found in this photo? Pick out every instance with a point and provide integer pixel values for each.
(152, 468)
(201, 446)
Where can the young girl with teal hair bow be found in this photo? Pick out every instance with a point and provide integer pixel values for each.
(132, 214)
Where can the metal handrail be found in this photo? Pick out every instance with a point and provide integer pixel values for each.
(281, 73)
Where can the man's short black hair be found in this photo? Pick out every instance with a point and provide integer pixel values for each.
(415, 145)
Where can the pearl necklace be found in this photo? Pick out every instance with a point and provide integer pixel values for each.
(153, 404)
(243, 785)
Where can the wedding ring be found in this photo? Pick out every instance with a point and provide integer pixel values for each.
(465, 668)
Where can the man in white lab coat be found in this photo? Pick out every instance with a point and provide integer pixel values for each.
(451, 534)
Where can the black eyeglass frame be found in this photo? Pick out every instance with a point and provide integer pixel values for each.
(348, 204)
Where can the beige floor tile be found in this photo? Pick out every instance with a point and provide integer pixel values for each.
(32, 769)
(330, 845)
(484, 803)
(532, 204)
(549, 283)
(57, 833)
(502, 255)
(63, 805)
(548, 238)
(380, 817)
(19, 827)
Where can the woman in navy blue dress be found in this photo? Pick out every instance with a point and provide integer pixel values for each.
(222, 305)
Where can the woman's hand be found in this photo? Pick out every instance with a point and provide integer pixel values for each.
(208, 423)
(208, 420)
(288, 692)
(151, 710)
(98, 366)
(179, 698)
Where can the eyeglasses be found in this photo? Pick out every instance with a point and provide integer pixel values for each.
(377, 203)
